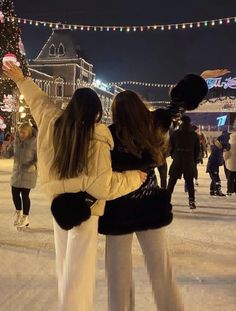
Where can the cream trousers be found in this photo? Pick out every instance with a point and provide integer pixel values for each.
(76, 252)
(119, 271)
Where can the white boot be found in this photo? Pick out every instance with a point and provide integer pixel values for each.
(17, 217)
(24, 221)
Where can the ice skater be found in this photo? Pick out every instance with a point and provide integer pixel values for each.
(230, 163)
(24, 174)
(144, 212)
(74, 156)
(215, 160)
(184, 149)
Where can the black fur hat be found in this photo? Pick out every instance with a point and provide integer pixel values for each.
(70, 209)
(190, 91)
(163, 118)
(186, 119)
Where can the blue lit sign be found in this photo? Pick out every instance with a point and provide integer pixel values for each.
(221, 120)
(229, 83)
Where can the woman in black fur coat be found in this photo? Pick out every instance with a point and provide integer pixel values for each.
(138, 145)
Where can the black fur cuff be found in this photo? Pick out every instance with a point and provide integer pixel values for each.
(70, 209)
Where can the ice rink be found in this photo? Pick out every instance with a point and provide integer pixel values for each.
(202, 247)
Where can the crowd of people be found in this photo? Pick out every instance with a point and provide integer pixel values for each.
(101, 179)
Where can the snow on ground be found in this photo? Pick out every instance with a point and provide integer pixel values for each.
(202, 246)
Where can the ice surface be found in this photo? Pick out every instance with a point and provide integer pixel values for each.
(202, 246)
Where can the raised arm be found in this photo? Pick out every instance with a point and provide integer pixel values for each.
(207, 74)
(41, 107)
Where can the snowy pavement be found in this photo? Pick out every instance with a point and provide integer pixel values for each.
(202, 246)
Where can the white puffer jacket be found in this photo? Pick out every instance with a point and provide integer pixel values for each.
(100, 181)
(230, 156)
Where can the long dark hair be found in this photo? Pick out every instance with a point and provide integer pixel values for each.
(135, 126)
(73, 131)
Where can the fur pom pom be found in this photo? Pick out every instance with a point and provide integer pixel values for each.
(70, 209)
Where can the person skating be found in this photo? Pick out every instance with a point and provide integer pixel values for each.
(144, 212)
(74, 156)
(184, 150)
(230, 163)
(163, 123)
(24, 175)
(224, 140)
(215, 160)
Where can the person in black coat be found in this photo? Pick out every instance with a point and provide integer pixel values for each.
(184, 149)
(224, 140)
(137, 145)
(215, 160)
(162, 120)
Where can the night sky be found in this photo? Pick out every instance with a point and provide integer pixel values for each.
(149, 56)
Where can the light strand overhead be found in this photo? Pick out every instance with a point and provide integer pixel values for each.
(137, 83)
(126, 28)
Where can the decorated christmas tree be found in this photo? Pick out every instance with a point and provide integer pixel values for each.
(11, 49)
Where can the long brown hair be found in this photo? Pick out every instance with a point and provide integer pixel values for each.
(135, 127)
(73, 131)
(26, 126)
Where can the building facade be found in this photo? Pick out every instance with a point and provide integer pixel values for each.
(59, 69)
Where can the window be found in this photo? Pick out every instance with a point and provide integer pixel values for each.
(61, 50)
(59, 87)
(52, 50)
(85, 79)
(47, 88)
(59, 91)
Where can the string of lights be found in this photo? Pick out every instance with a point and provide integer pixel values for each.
(147, 84)
(98, 83)
(125, 28)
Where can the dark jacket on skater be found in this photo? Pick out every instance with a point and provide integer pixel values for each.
(224, 140)
(215, 160)
(146, 208)
(184, 150)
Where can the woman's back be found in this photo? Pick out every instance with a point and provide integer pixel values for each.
(230, 156)
(98, 174)
(135, 147)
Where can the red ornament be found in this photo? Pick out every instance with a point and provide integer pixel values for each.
(1, 17)
(10, 57)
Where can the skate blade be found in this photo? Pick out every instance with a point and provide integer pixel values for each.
(22, 228)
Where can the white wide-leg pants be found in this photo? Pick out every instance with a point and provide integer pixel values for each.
(76, 252)
(119, 271)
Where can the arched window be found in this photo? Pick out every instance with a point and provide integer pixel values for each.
(52, 50)
(40, 84)
(61, 50)
(47, 88)
(59, 87)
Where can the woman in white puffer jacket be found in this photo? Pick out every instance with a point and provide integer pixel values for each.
(230, 162)
(74, 155)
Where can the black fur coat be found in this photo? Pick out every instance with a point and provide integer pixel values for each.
(146, 208)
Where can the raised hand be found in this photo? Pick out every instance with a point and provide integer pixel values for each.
(12, 71)
(214, 73)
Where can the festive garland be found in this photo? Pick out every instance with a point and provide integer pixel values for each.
(110, 84)
(140, 84)
(125, 28)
